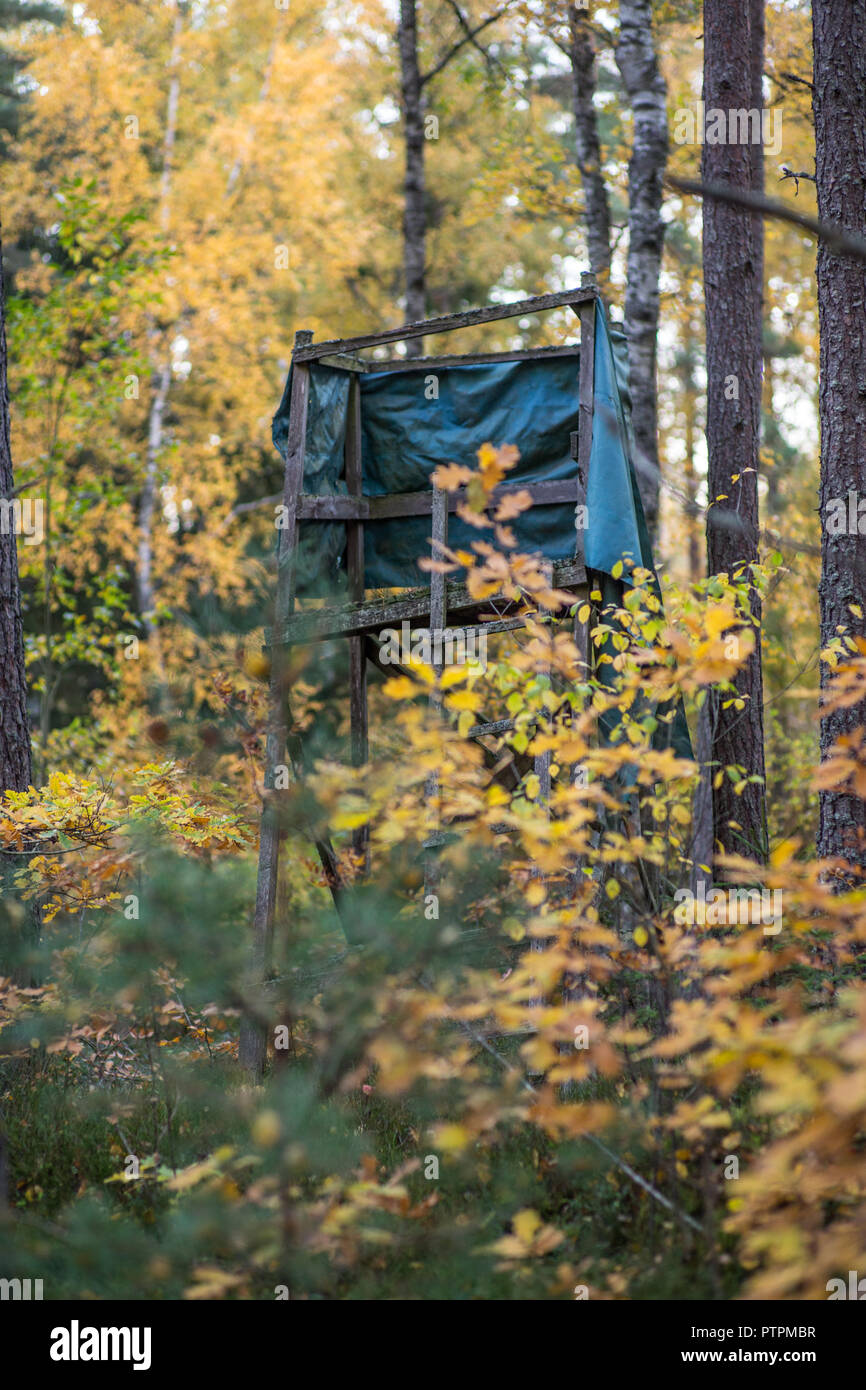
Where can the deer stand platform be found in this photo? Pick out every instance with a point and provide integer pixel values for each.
(552, 392)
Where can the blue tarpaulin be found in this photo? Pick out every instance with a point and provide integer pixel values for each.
(414, 420)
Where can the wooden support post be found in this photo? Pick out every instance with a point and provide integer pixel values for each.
(541, 768)
(542, 761)
(584, 447)
(438, 621)
(355, 566)
(252, 1046)
(581, 449)
(581, 452)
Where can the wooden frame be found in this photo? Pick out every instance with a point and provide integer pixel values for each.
(360, 618)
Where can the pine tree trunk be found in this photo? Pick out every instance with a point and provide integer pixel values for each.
(414, 206)
(587, 144)
(15, 755)
(839, 102)
(18, 932)
(638, 64)
(732, 261)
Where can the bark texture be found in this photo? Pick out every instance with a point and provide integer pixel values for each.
(414, 187)
(587, 143)
(15, 756)
(18, 932)
(839, 102)
(732, 263)
(160, 354)
(645, 86)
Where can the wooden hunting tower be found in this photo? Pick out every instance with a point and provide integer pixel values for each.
(360, 438)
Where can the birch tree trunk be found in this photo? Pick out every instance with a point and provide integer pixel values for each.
(414, 190)
(839, 103)
(160, 375)
(732, 261)
(587, 143)
(638, 65)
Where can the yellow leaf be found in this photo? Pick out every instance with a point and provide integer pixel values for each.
(720, 616)
(400, 688)
(350, 820)
(525, 1224)
(496, 795)
(450, 476)
(266, 1128)
(465, 722)
(463, 699)
(452, 1138)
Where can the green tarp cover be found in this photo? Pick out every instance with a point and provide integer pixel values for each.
(414, 420)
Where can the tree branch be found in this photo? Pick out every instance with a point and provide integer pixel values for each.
(841, 242)
(488, 57)
(467, 38)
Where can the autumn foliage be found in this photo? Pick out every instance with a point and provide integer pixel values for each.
(542, 1081)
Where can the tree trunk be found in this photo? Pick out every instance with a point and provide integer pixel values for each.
(587, 144)
(690, 474)
(732, 260)
(645, 86)
(18, 932)
(15, 756)
(414, 209)
(160, 378)
(839, 102)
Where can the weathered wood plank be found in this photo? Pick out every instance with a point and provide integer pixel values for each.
(354, 484)
(464, 359)
(252, 1043)
(355, 567)
(438, 588)
(340, 508)
(438, 623)
(449, 324)
(584, 451)
(346, 361)
(321, 624)
(496, 726)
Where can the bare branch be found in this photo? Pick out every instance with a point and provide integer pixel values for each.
(242, 507)
(796, 176)
(455, 49)
(792, 77)
(488, 57)
(840, 241)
